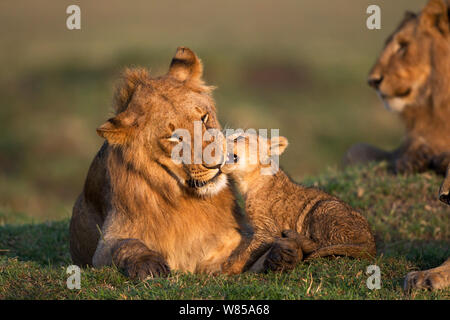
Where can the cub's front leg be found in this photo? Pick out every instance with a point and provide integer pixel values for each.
(283, 254)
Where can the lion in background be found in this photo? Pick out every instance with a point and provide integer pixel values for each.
(147, 214)
(412, 77)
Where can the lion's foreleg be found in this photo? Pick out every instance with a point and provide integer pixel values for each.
(437, 278)
(444, 191)
(127, 252)
(440, 163)
(132, 257)
(362, 153)
(414, 155)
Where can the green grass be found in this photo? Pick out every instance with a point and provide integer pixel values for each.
(411, 227)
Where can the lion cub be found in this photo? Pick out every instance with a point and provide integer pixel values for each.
(325, 225)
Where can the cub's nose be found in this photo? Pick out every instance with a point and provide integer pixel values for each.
(232, 158)
(375, 81)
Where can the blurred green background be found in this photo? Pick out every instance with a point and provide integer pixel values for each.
(299, 66)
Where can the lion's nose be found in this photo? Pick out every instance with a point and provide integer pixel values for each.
(445, 197)
(375, 81)
(217, 166)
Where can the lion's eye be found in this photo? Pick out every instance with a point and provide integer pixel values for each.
(175, 138)
(402, 46)
(205, 118)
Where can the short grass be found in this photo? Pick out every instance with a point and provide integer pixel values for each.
(411, 227)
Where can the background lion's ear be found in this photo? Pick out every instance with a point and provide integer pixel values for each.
(436, 15)
(410, 15)
(186, 66)
(117, 130)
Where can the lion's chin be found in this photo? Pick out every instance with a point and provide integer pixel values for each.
(213, 186)
(398, 102)
(396, 105)
(393, 104)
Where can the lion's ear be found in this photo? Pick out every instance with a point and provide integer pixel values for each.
(186, 66)
(119, 129)
(128, 84)
(436, 15)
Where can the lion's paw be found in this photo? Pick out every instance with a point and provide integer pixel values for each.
(429, 279)
(151, 265)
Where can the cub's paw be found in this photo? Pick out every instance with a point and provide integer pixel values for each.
(285, 253)
(148, 265)
(429, 279)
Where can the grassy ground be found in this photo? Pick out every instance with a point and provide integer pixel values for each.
(411, 227)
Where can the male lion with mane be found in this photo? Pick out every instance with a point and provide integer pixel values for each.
(412, 77)
(147, 214)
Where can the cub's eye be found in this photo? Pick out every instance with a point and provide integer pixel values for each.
(175, 138)
(205, 118)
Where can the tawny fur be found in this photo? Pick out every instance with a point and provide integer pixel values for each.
(436, 278)
(412, 76)
(325, 224)
(147, 214)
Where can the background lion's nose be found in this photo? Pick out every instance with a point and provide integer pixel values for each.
(375, 81)
(445, 197)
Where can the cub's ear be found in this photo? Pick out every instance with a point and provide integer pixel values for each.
(119, 129)
(186, 66)
(435, 15)
(278, 145)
